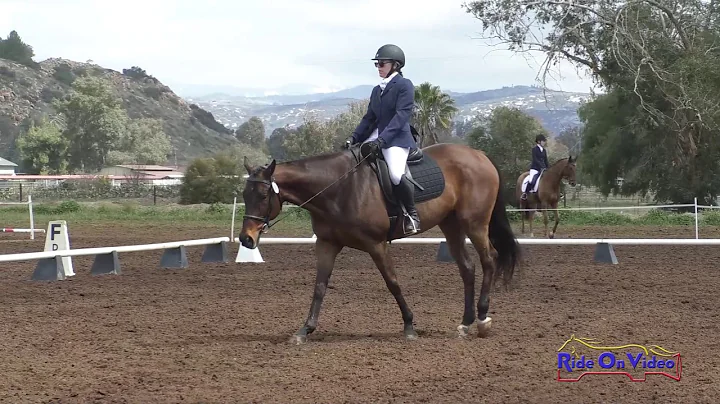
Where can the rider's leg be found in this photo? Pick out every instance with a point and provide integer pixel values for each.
(396, 158)
(531, 184)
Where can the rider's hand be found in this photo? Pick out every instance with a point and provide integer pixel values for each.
(348, 142)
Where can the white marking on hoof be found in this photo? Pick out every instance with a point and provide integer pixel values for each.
(463, 330)
(484, 327)
(411, 336)
(552, 235)
(532, 235)
(298, 339)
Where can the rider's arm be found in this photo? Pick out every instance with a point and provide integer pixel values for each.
(361, 132)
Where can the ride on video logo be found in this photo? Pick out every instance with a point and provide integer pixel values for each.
(578, 357)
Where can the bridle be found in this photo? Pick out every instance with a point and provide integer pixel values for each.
(274, 189)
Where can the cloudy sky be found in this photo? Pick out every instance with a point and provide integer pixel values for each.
(274, 46)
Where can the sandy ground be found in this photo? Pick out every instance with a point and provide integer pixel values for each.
(220, 332)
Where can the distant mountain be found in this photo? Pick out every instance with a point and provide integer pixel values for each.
(555, 109)
(27, 93)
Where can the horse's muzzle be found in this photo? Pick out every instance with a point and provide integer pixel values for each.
(247, 241)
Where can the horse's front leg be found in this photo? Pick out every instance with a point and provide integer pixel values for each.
(325, 252)
(557, 220)
(380, 256)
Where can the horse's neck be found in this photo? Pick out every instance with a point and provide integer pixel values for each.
(553, 175)
(301, 180)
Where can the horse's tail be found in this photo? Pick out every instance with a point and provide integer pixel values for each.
(502, 237)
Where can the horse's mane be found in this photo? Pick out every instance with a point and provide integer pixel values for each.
(315, 158)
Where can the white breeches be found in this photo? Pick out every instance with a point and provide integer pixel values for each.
(527, 180)
(396, 158)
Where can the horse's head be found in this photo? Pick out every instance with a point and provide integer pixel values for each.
(262, 203)
(569, 170)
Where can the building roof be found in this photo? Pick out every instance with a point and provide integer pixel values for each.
(146, 167)
(4, 162)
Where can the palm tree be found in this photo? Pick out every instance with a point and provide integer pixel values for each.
(434, 110)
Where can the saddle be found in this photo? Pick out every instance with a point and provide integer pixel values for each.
(420, 169)
(532, 183)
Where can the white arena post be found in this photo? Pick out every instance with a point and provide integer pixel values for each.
(697, 230)
(32, 230)
(106, 260)
(232, 223)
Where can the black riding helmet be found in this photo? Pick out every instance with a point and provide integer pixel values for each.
(391, 52)
(540, 137)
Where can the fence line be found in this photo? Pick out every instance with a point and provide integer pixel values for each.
(527, 241)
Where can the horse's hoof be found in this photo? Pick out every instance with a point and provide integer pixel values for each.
(552, 235)
(411, 335)
(484, 327)
(532, 235)
(463, 331)
(298, 339)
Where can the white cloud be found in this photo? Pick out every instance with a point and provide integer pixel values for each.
(270, 45)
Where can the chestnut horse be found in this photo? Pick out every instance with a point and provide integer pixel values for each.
(548, 193)
(349, 201)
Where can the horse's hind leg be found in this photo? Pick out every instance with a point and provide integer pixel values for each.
(479, 237)
(384, 263)
(455, 237)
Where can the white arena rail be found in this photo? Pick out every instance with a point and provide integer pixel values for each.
(604, 251)
(528, 241)
(108, 250)
(56, 265)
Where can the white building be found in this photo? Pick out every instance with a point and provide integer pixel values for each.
(7, 167)
(148, 174)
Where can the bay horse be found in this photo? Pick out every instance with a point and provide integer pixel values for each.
(548, 194)
(350, 202)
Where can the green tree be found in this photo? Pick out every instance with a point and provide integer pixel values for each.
(657, 62)
(43, 149)
(13, 48)
(146, 141)
(275, 143)
(94, 123)
(312, 138)
(252, 132)
(343, 125)
(218, 179)
(571, 137)
(434, 111)
(507, 137)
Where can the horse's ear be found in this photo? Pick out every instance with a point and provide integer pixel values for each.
(247, 166)
(570, 159)
(270, 168)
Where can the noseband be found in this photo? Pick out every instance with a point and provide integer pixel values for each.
(272, 189)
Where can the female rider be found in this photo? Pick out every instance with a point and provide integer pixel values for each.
(386, 126)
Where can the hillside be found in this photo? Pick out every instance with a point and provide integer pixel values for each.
(26, 92)
(555, 110)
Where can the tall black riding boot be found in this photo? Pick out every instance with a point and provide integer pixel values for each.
(406, 193)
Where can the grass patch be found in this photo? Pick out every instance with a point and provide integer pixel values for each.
(651, 217)
(133, 213)
(295, 219)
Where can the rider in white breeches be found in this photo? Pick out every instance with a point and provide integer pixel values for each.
(530, 177)
(386, 127)
(395, 157)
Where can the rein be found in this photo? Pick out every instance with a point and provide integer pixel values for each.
(273, 188)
